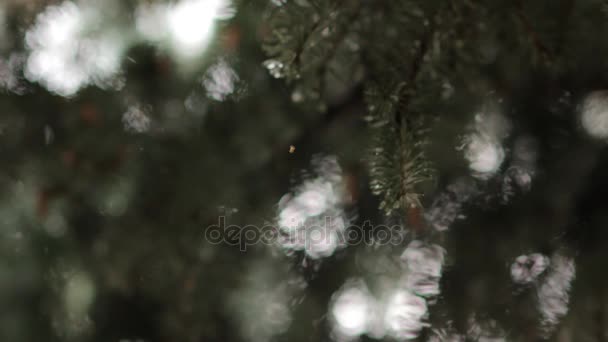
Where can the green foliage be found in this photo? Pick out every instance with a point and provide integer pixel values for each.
(412, 54)
(390, 41)
(397, 159)
(312, 44)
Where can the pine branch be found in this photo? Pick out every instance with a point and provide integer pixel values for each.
(415, 68)
(398, 163)
(305, 53)
(323, 70)
(305, 42)
(409, 178)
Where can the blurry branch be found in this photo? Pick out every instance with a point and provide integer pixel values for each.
(305, 41)
(350, 105)
(410, 85)
(568, 7)
(533, 36)
(339, 39)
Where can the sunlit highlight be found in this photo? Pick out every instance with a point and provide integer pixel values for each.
(191, 24)
(405, 314)
(64, 57)
(594, 114)
(220, 81)
(527, 268)
(553, 293)
(398, 306)
(483, 147)
(312, 218)
(261, 305)
(187, 25)
(447, 206)
(424, 265)
(136, 120)
(352, 310)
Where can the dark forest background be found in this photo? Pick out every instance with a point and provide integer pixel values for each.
(466, 140)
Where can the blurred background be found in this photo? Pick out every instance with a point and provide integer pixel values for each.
(128, 128)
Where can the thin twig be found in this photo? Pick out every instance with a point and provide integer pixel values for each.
(533, 36)
(338, 41)
(413, 209)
